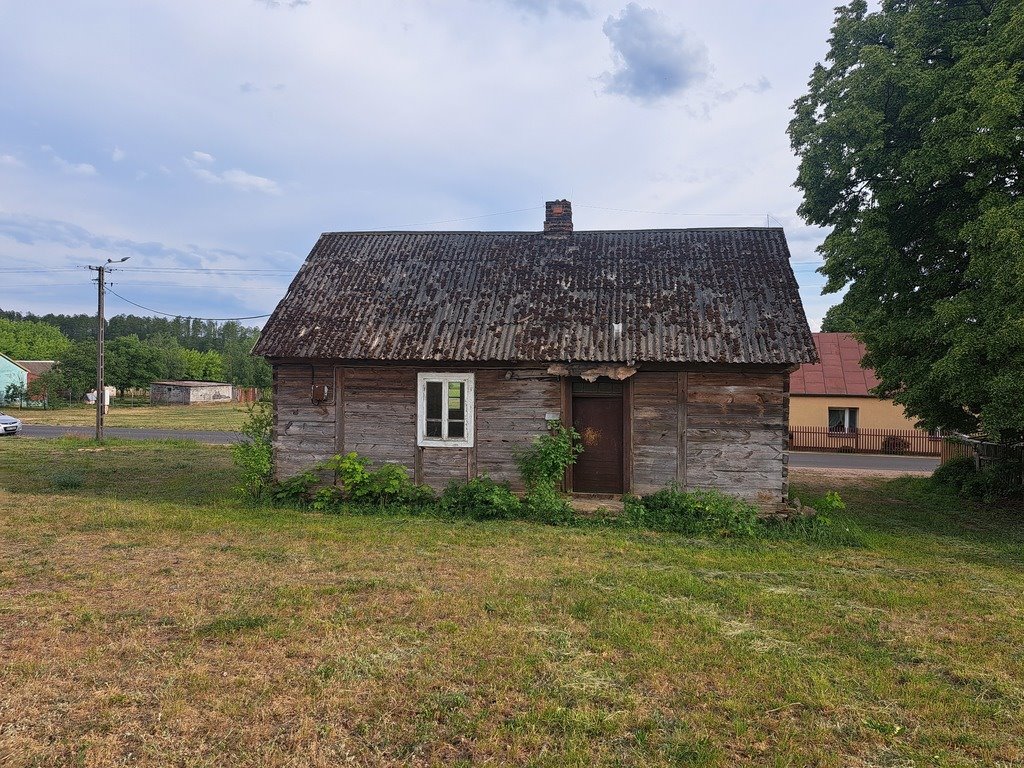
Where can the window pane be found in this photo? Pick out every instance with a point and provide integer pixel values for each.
(456, 399)
(433, 427)
(456, 428)
(434, 400)
(851, 419)
(837, 419)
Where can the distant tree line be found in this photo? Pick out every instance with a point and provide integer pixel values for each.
(139, 350)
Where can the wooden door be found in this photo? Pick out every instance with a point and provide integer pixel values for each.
(597, 416)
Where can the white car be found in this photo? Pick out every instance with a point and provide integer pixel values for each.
(9, 425)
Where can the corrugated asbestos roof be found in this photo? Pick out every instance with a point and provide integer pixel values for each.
(838, 373)
(685, 295)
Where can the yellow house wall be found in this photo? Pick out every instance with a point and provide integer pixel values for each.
(873, 413)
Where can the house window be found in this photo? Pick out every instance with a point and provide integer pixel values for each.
(445, 409)
(842, 419)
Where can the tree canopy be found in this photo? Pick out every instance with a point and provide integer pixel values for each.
(911, 139)
(26, 340)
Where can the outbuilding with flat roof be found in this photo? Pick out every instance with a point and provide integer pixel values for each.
(190, 392)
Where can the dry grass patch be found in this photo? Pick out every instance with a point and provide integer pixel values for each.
(227, 417)
(146, 618)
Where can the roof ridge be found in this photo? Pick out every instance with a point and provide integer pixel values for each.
(541, 233)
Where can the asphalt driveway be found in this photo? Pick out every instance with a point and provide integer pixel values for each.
(862, 461)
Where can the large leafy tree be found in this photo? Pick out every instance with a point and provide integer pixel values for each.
(911, 146)
(27, 340)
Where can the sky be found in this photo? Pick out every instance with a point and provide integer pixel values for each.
(212, 142)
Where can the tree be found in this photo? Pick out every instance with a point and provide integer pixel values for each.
(911, 139)
(840, 318)
(75, 371)
(131, 363)
(29, 340)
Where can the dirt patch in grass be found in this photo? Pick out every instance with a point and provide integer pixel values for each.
(160, 626)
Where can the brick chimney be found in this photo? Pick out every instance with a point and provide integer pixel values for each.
(558, 217)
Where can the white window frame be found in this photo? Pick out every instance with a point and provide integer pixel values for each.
(468, 381)
(846, 420)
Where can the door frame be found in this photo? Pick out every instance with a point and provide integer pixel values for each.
(627, 431)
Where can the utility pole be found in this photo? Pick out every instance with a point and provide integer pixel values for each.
(101, 390)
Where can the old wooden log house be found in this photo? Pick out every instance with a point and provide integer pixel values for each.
(668, 350)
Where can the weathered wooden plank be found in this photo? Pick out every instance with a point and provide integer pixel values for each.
(724, 379)
(310, 413)
(315, 428)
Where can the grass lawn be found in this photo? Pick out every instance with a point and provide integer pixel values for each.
(215, 416)
(148, 619)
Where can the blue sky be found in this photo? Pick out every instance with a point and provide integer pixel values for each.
(226, 136)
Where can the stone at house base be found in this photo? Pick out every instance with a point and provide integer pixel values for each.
(791, 510)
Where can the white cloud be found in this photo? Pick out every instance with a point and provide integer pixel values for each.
(11, 161)
(117, 155)
(236, 178)
(72, 169)
(248, 182)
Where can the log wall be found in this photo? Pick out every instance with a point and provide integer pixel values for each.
(726, 431)
(378, 408)
(723, 430)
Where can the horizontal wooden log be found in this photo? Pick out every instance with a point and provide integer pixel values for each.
(315, 428)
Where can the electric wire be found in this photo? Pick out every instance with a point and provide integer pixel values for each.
(179, 314)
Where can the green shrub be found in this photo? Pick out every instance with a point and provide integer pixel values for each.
(995, 481)
(327, 498)
(694, 513)
(350, 472)
(955, 473)
(254, 455)
(544, 504)
(543, 466)
(545, 462)
(297, 490)
(479, 499)
(387, 485)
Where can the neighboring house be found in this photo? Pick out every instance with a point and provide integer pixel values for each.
(836, 392)
(446, 352)
(190, 392)
(11, 372)
(36, 368)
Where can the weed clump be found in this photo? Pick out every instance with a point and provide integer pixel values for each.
(254, 455)
(693, 513)
(479, 499)
(66, 481)
(543, 467)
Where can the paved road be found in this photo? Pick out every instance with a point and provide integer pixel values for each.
(814, 460)
(217, 438)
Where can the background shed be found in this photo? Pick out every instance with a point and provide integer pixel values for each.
(189, 392)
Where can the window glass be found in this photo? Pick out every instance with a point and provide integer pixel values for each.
(837, 419)
(435, 402)
(455, 400)
(851, 419)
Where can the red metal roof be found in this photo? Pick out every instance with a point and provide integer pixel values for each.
(838, 373)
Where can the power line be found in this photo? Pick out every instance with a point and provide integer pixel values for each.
(179, 314)
(202, 287)
(212, 270)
